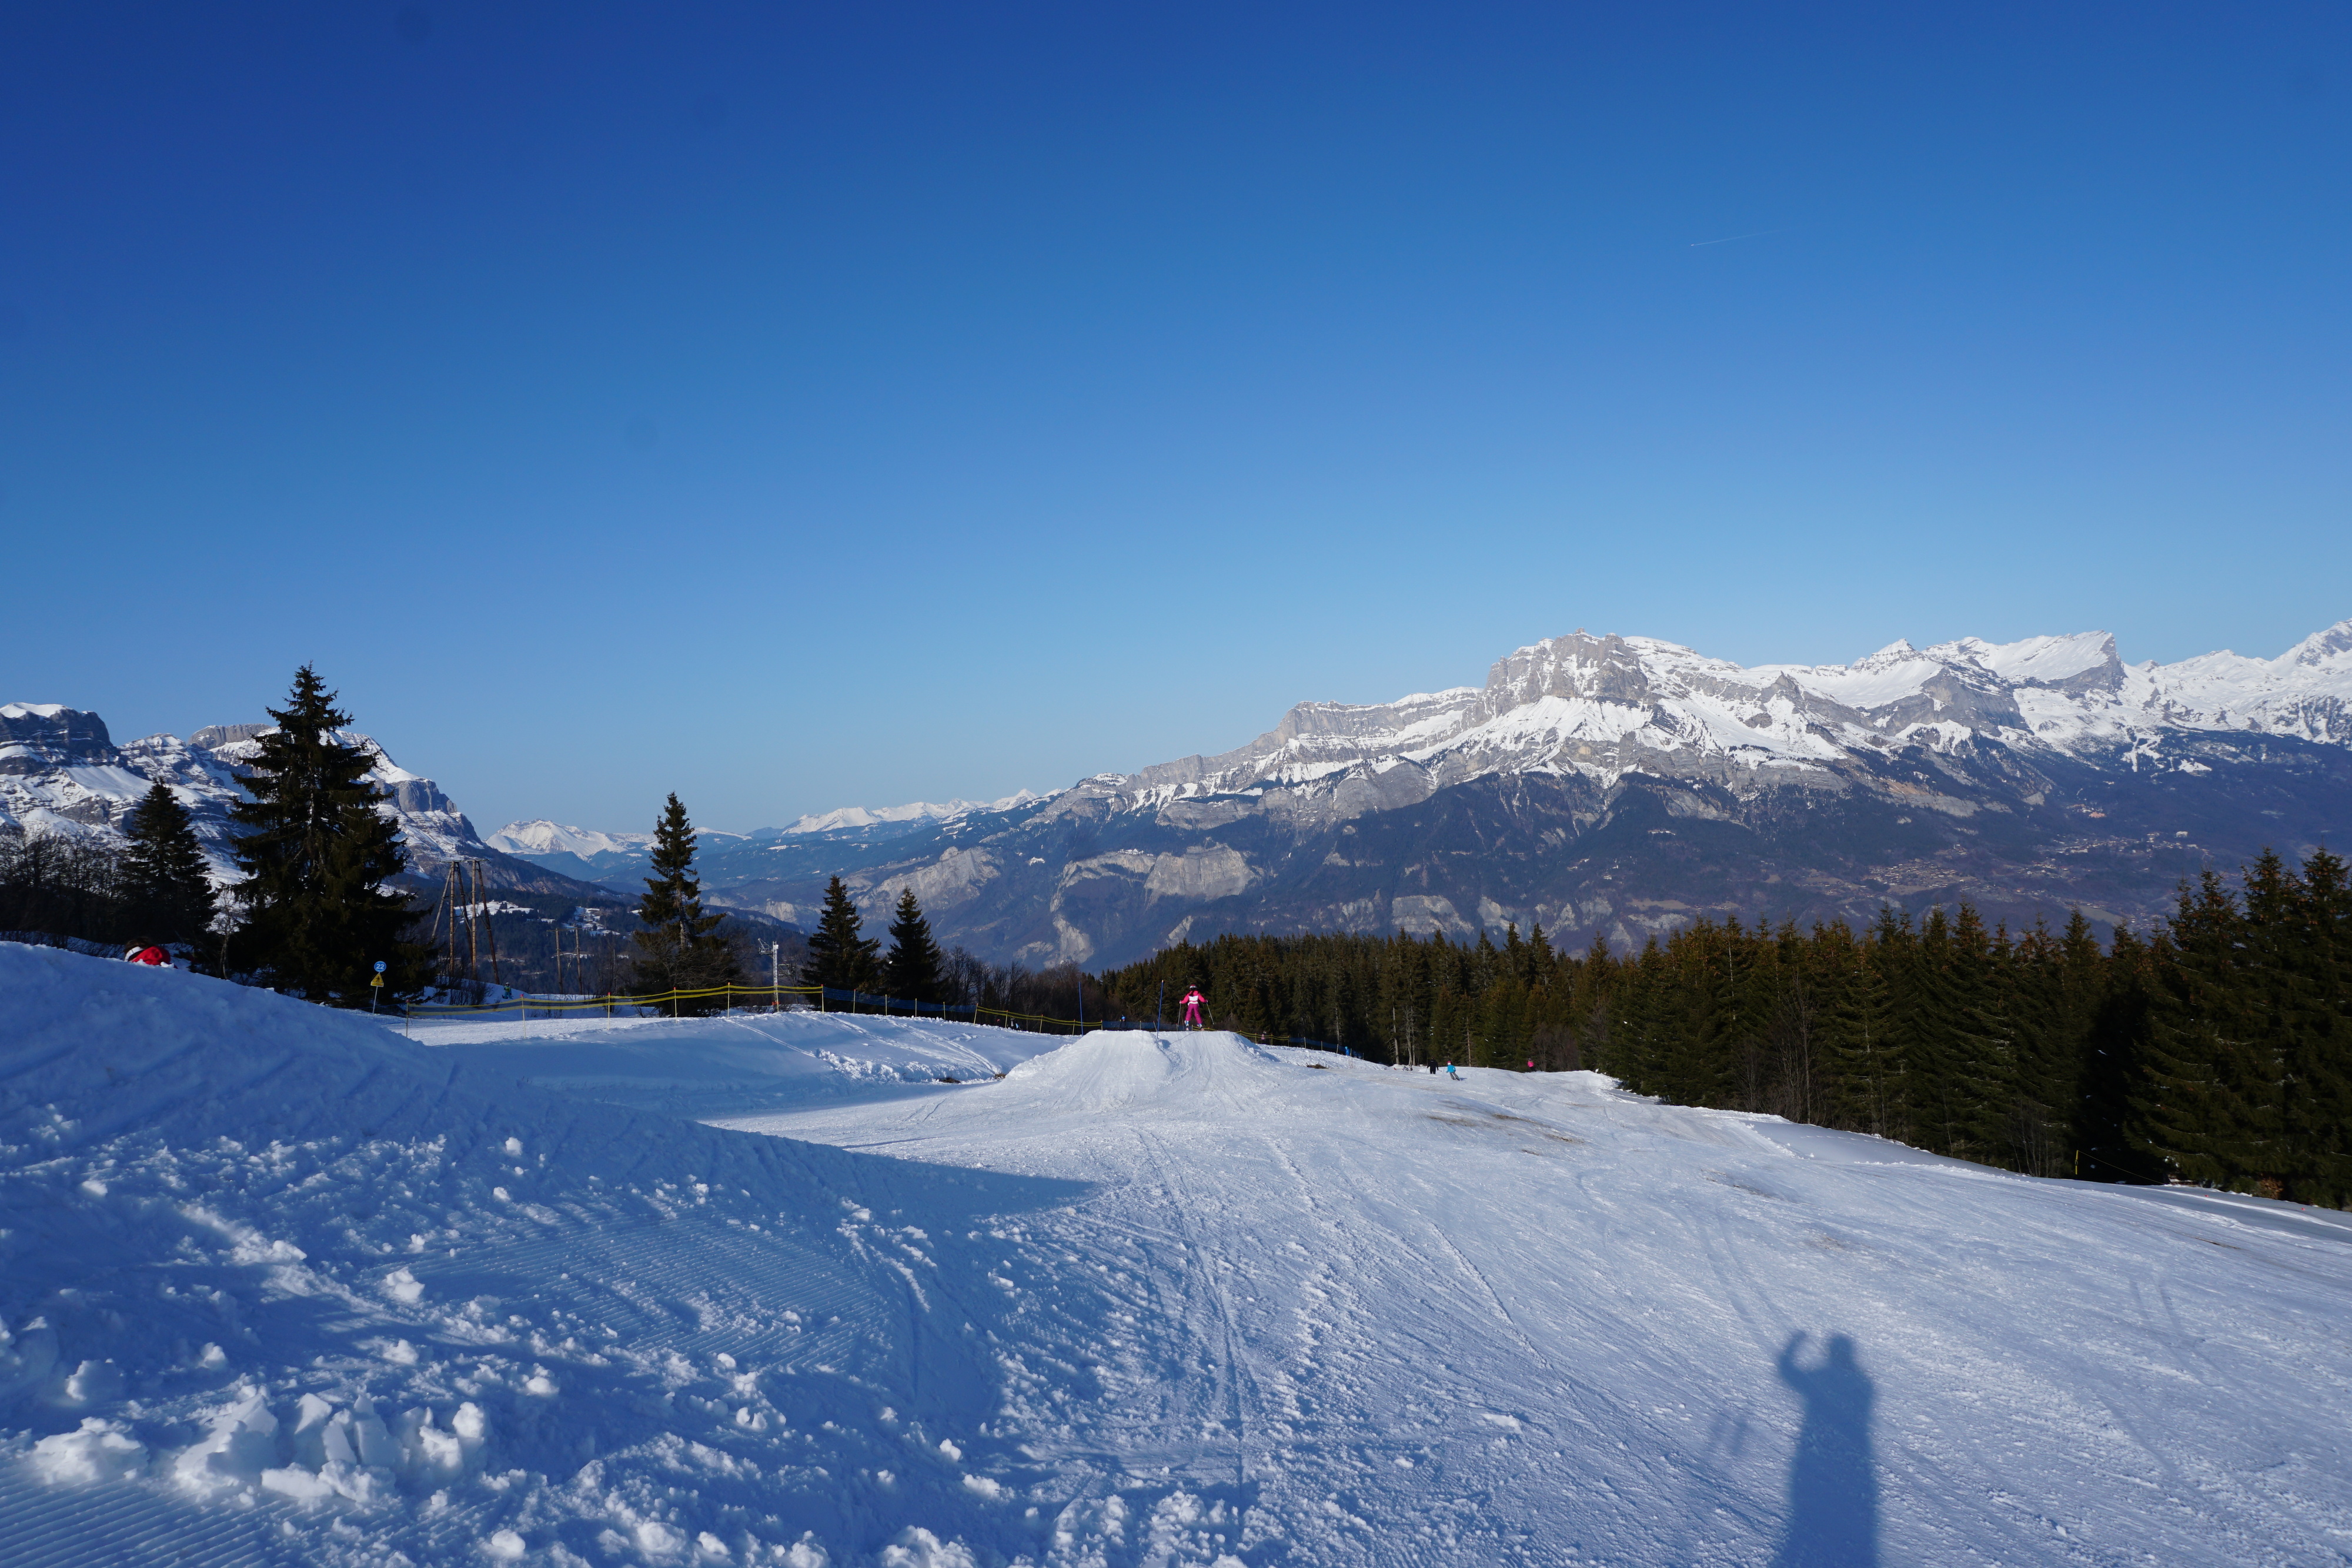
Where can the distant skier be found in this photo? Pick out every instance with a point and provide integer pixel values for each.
(1451, 1074)
(154, 955)
(1192, 1004)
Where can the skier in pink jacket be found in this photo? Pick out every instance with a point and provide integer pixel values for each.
(1193, 1003)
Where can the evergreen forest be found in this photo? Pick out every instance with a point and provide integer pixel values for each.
(2215, 1049)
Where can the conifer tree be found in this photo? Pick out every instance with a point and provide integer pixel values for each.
(679, 947)
(317, 850)
(839, 955)
(2201, 1105)
(2107, 1125)
(912, 972)
(2320, 1045)
(1866, 1091)
(165, 878)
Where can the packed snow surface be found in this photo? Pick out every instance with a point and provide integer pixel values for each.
(281, 1285)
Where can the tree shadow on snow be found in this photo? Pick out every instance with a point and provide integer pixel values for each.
(1832, 1480)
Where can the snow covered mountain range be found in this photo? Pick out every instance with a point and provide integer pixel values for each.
(60, 771)
(1600, 785)
(622, 857)
(1625, 786)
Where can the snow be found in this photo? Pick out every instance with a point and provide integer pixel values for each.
(545, 838)
(116, 781)
(848, 817)
(282, 1285)
(2045, 660)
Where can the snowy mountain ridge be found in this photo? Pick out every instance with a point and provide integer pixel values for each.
(1608, 706)
(61, 772)
(1622, 787)
(1610, 786)
(849, 817)
(543, 837)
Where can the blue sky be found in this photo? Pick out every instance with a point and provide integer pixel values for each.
(796, 406)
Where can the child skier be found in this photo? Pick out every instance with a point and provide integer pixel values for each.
(1193, 1003)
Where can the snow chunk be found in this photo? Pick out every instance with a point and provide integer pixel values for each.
(919, 1547)
(242, 1443)
(101, 1451)
(655, 1539)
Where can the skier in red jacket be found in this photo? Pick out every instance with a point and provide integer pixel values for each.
(1193, 1003)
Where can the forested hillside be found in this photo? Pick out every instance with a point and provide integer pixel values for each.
(2216, 1047)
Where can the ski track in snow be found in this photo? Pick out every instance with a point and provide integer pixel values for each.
(281, 1286)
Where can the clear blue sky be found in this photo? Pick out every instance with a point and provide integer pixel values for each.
(796, 406)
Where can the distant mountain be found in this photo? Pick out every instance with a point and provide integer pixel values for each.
(1624, 786)
(622, 860)
(545, 838)
(876, 823)
(61, 772)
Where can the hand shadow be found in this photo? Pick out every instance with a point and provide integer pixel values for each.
(1833, 1483)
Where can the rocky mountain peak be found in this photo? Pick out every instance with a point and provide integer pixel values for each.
(37, 737)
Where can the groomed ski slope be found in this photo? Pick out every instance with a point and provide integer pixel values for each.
(326, 1295)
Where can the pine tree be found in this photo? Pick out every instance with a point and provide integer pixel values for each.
(317, 850)
(679, 947)
(1865, 1090)
(912, 972)
(2109, 1145)
(2187, 1108)
(2319, 1050)
(838, 956)
(164, 877)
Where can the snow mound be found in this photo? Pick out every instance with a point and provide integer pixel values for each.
(751, 1061)
(1119, 1070)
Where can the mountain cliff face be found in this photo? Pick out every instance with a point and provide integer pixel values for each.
(1622, 787)
(60, 771)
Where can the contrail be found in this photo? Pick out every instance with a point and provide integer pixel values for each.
(1726, 239)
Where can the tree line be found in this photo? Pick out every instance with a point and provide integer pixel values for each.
(2216, 1047)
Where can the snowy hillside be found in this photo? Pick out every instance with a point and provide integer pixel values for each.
(281, 1286)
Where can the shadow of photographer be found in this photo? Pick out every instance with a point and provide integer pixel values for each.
(1833, 1483)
